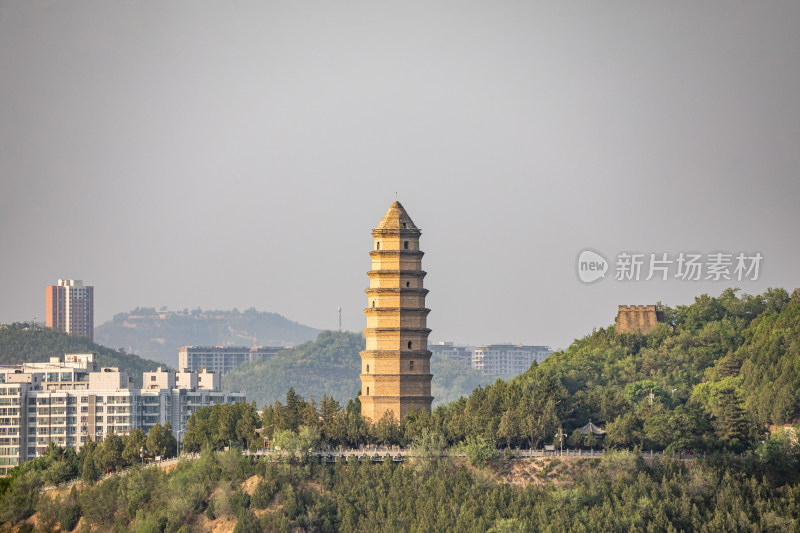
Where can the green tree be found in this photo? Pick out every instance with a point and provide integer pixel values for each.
(414, 424)
(429, 447)
(479, 450)
(674, 430)
(510, 426)
(89, 473)
(246, 425)
(308, 437)
(161, 442)
(19, 502)
(246, 522)
(540, 425)
(135, 446)
(623, 431)
(387, 430)
(576, 440)
(286, 440)
(109, 452)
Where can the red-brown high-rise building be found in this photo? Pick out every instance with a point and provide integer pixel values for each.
(70, 307)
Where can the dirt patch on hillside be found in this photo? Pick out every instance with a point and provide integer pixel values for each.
(168, 468)
(534, 472)
(224, 524)
(249, 485)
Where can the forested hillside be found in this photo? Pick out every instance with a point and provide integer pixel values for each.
(158, 334)
(228, 491)
(708, 379)
(328, 366)
(711, 378)
(331, 366)
(19, 343)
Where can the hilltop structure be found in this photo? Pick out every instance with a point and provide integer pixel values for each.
(69, 307)
(642, 318)
(395, 366)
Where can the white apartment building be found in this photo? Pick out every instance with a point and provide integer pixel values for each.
(69, 400)
(462, 354)
(494, 359)
(507, 359)
(169, 396)
(221, 359)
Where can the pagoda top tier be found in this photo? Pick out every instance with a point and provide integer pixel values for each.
(396, 218)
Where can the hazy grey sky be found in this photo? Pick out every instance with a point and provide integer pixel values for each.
(238, 154)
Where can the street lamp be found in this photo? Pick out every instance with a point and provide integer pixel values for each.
(180, 440)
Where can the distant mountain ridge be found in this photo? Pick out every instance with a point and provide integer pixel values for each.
(158, 334)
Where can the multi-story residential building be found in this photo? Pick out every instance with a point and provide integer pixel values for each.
(12, 423)
(65, 401)
(70, 307)
(221, 359)
(69, 400)
(169, 396)
(507, 359)
(462, 354)
(493, 359)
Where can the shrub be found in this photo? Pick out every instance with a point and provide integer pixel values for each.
(210, 511)
(19, 502)
(239, 501)
(69, 516)
(275, 521)
(47, 512)
(246, 522)
(265, 491)
(479, 450)
(292, 502)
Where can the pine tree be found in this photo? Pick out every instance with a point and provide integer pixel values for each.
(89, 472)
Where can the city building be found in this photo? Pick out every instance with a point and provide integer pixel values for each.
(70, 399)
(70, 307)
(170, 396)
(493, 359)
(221, 359)
(395, 365)
(461, 354)
(507, 359)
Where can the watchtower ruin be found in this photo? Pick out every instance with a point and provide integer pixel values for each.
(641, 318)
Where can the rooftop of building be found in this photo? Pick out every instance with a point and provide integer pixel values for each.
(506, 346)
(231, 348)
(83, 361)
